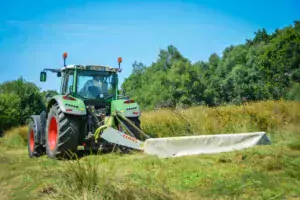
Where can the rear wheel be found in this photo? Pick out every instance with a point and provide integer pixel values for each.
(62, 133)
(35, 149)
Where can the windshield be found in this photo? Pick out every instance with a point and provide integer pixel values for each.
(95, 84)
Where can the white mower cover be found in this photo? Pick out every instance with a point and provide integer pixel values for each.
(203, 144)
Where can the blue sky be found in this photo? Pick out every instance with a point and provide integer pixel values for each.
(34, 34)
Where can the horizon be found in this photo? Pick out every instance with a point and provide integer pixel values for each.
(99, 33)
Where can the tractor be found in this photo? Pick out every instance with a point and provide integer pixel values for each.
(88, 112)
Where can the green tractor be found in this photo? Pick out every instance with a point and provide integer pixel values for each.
(88, 112)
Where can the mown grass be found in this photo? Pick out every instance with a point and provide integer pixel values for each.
(15, 138)
(262, 172)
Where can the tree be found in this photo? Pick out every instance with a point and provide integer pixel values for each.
(265, 67)
(31, 101)
(10, 107)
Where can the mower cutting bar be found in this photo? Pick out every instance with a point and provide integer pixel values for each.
(117, 137)
(188, 145)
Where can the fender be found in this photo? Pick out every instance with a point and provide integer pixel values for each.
(74, 106)
(128, 108)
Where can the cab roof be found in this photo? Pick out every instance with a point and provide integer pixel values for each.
(90, 67)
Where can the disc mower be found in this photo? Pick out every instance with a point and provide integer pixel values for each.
(90, 112)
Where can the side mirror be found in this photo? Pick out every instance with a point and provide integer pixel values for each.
(43, 76)
(58, 74)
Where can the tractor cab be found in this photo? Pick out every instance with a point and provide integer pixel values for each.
(87, 82)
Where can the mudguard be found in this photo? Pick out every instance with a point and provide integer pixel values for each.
(127, 109)
(72, 106)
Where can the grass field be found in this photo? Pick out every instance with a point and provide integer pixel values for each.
(262, 172)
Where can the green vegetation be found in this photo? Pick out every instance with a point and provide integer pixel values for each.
(262, 172)
(264, 69)
(18, 100)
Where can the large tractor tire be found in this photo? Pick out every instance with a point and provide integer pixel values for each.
(62, 133)
(35, 149)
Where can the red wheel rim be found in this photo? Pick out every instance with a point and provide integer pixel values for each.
(52, 134)
(31, 141)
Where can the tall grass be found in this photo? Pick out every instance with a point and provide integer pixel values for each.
(266, 116)
(269, 116)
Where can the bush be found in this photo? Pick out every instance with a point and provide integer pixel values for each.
(10, 106)
(21, 99)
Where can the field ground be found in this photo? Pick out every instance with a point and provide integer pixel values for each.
(262, 172)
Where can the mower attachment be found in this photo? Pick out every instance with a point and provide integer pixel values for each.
(117, 137)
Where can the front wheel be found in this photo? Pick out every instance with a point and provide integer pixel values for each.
(62, 133)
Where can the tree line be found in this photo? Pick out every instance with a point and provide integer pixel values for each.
(265, 67)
